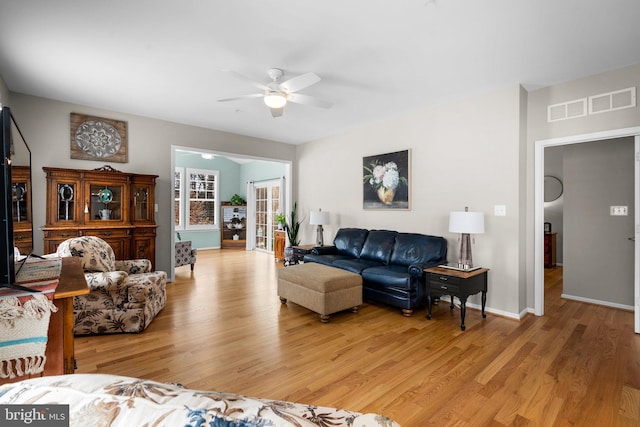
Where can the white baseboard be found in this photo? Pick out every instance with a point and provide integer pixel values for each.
(478, 307)
(598, 302)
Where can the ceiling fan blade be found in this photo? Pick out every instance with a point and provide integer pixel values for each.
(246, 79)
(294, 84)
(235, 98)
(277, 112)
(308, 100)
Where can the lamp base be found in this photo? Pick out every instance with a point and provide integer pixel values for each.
(465, 260)
(319, 236)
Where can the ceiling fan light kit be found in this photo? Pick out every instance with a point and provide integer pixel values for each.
(276, 95)
(275, 100)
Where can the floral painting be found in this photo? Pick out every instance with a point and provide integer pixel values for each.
(385, 181)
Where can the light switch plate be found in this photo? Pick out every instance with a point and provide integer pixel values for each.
(619, 211)
(500, 210)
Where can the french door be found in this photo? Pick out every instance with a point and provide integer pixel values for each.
(267, 205)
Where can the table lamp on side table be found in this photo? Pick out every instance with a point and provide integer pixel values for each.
(319, 218)
(466, 223)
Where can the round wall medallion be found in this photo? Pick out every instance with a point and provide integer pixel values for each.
(98, 139)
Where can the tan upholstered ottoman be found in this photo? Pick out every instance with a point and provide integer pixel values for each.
(325, 290)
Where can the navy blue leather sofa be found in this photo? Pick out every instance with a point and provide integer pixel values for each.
(391, 263)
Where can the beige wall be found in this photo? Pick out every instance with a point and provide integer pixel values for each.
(539, 129)
(45, 124)
(465, 153)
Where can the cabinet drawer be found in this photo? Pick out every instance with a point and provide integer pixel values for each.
(144, 232)
(444, 283)
(60, 234)
(108, 232)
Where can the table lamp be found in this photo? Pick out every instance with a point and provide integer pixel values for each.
(466, 223)
(319, 218)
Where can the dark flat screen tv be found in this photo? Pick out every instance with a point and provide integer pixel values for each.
(7, 260)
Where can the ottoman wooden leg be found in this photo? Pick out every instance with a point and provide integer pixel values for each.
(324, 318)
(355, 309)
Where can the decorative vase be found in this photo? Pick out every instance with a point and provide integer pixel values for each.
(386, 195)
(288, 255)
(105, 213)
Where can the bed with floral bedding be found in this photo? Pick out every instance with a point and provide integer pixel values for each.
(110, 400)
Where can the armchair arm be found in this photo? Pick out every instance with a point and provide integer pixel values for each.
(324, 250)
(142, 286)
(106, 280)
(134, 266)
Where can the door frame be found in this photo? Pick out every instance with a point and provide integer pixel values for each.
(267, 183)
(538, 227)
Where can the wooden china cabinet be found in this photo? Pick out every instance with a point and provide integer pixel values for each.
(116, 206)
(21, 199)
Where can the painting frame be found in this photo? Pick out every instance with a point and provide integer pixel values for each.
(98, 138)
(386, 181)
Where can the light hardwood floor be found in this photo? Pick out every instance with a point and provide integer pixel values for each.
(224, 329)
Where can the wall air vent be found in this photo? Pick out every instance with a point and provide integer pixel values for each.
(617, 100)
(567, 110)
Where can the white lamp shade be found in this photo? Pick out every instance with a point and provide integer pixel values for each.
(319, 218)
(466, 222)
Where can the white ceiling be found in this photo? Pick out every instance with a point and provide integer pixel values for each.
(377, 58)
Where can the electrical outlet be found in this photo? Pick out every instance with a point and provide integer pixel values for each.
(500, 210)
(619, 211)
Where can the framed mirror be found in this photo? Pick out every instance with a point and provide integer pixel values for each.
(552, 188)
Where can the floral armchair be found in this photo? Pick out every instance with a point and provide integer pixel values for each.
(124, 296)
(185, 254)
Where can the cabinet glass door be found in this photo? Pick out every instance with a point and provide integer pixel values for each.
(141, 208)
(106, 202)
(66, 202)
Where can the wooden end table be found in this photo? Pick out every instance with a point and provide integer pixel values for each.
(458, 283)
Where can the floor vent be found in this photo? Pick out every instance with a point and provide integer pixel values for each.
(618, 100)
(567, 110)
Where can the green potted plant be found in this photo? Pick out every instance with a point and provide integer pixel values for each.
(293, 226)
(281, 219)
(236, 200)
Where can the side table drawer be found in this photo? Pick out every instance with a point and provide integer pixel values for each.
(443, 283)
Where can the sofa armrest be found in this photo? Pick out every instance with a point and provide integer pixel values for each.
(417, 268)
(134, 266)
(324, 250)
(106, 280)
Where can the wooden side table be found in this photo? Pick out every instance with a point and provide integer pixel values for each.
(458, 283)
(60, 346)
(280, 242)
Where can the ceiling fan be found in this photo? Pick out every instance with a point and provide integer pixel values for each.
(276, 94)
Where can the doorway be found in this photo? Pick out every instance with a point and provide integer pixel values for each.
(245, 169)
(539, 210)
(268, 203)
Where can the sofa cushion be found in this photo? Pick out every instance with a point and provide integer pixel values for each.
(379, 245)
(392, 276)
(412, 248)
(324, 259)
(355, 265)
(349, 241)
